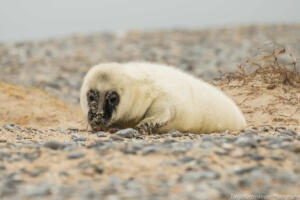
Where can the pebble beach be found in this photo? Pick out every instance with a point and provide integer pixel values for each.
(47, 153)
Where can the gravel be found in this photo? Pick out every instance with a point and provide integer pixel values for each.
(75, 155)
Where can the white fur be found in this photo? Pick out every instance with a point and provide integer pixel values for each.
(162, 94)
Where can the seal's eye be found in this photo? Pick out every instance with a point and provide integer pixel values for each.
(113, 98)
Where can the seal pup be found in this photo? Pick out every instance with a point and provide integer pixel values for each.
(155, 98)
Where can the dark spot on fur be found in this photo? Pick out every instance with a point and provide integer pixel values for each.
(112, 99)
(92, 99)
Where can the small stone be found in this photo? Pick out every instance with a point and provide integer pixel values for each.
(127, 133)
(178, 150)
(78, 138)
(129, 150)
(245, 170)
(175, 133)
(280, 128)
(37, 172)
(255, 156)
(158, 136)
(149, 150)
(274, 143)
(187, 159)
(101, 134)
(54, 145)
(99, 169)
(277, 158)
(32, 156)
(73, 129)
(140, 137)
(221, 152)
(169, 141)
(76, 155)
(84, 164)
(288, 133)
(116, 138)
(246, 141)
(265, 129)
(11, 127)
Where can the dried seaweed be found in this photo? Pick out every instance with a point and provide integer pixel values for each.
(273, 67)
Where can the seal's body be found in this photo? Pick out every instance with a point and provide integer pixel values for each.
(155, 98)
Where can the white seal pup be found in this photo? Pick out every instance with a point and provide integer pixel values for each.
(155, 98)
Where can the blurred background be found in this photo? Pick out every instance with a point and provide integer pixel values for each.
(52, 44)
(35, 19)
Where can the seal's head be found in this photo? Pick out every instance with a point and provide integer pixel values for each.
(101, 106)
(100, 97)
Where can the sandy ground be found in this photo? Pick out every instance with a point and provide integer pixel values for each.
(35, 108)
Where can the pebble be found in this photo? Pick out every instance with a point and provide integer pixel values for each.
(175, 133)
(78, 138)
(84, 164)
(277, 158)
(150, 149)
(99, 169)
(37, 172)
(11, 127)
(169, 141)
(178, 150)
(288, 132)
(243, 141)
(255, 156)
(76, 155)
(55, 145)
(129, 150)
(221, 152)
(187, 159)
(245, 170)
(127, 133)
(116, 138)
(73, 129)
(101, 134)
